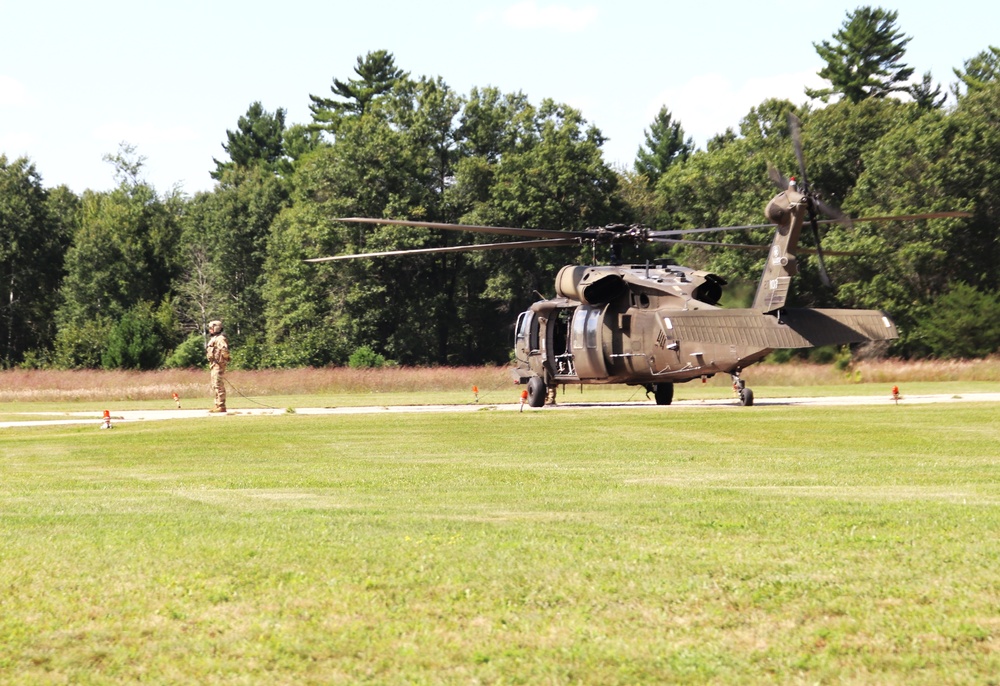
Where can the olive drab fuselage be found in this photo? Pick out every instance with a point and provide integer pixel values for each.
(661, 324)
(629, 339)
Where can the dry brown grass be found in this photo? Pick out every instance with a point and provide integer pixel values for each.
(83, 385)
(876, 371)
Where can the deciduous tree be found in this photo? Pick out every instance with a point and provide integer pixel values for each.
(34, 232)
(940, 161)
(123, 252)
(225, 239)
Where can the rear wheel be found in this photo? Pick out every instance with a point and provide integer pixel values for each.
(663, 393)
(536, 391)
(746, 397)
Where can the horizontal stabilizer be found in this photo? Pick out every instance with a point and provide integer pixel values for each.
(794, 328)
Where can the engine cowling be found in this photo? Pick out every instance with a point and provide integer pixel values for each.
(590, 285)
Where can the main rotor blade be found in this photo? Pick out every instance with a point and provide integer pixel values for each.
(811, 251)
(749, 246)
(741, 246)
(901, 217)
(502, 230)
(657, 236)
(663, 236)
(544, 243)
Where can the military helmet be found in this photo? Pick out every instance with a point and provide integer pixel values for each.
(215, 326)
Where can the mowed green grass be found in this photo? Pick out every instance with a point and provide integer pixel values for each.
(688, 545)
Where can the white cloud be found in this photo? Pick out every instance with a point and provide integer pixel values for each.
(709, 103)
(13, 93)
(529, 15)
(143, 134)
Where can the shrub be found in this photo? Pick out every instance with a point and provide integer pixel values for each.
(248, 353)
(963, 323)
(781, 356)
(366, 358)
(79, 346)
(189, 354)
(137, 341)
(824, 354)
(36, 359)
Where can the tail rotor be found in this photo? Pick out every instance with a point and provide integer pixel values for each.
(815, 204)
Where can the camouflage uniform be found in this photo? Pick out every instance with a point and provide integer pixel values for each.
(218, 357)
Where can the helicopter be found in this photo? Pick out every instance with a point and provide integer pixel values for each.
(658, 324)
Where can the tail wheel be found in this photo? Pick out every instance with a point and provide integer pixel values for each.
(536, 391)
(746, 397)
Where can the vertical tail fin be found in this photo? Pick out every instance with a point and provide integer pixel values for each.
(787, 210)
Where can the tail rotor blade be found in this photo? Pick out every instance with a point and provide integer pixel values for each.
(833, 213)
(777, 178)
(796, 128)
(823, 276)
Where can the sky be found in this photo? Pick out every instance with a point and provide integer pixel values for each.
(77, 79)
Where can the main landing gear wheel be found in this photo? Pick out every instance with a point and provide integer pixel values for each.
(536, 391)
(663, 393)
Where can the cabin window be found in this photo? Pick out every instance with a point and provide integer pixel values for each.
(593, 324)
(579, 330)
(586, 326)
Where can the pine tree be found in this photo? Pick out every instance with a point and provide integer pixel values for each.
(865, 61)
(379, 74)
(978, 71)
(256, 141)
(665, 144)
(927, 95)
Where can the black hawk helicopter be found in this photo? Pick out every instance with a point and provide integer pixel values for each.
(657, 325)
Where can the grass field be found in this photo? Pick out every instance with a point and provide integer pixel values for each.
(736, 545)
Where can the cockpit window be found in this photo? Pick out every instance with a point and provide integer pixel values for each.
(520, 331)
(526, 331)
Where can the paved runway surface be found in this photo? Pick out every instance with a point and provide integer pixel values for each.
(124, 417)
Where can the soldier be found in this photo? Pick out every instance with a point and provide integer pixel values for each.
(218, 357)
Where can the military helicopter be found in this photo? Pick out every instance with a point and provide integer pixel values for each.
(655, 325)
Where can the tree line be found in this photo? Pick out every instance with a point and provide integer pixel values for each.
(129, 278)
